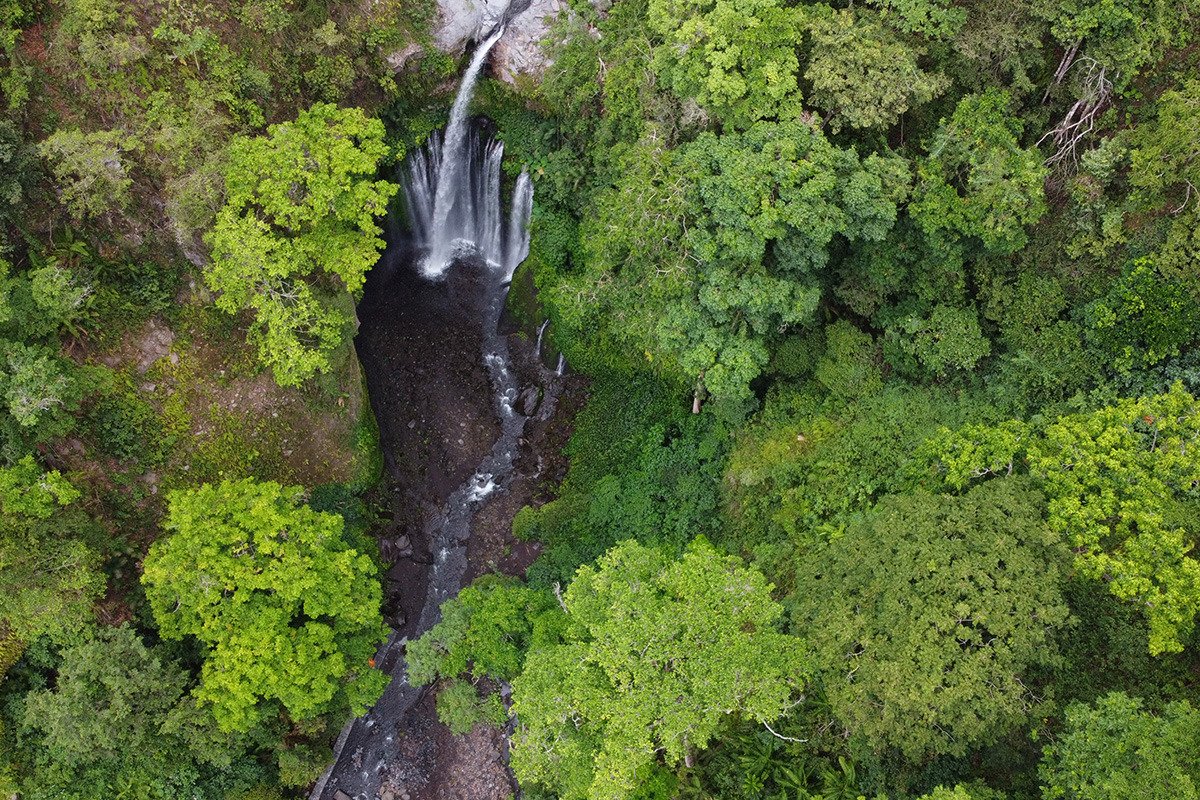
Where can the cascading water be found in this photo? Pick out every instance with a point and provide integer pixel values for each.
(452, 191)
(517, 244)
(453, 194)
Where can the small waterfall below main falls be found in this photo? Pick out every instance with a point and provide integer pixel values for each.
(452, 191)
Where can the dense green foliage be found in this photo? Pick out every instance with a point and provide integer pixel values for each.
(288, 611)
(119, 716)
(927, 613)
(656, 656)
(928, 272)
(298, 223)
(129, 128)
(1118, 750)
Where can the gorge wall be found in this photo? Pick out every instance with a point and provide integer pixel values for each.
(519, 50)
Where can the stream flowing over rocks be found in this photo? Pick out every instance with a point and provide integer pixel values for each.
(472, 425)
(454, 395)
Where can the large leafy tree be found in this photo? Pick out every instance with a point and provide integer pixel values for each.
(862, 74)
(1116, 750)
(119, 715)
(658, 655)
(736, 59)
(1119, 482)
(977, 181)
(298, 226)
(697, 257)
(927, 614)
(288, 611)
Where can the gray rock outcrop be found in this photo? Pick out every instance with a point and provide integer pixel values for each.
(461, 22)
(519, 51)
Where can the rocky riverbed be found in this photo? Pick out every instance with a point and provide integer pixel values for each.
(431, 351)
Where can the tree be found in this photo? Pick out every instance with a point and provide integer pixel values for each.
(926, 615)
(737, 59)
(786, 182)
(288, 611)
(948, 338)
(977, 181)
(659, 653)
(48, 580)
(697, 257)
(26, 489)
(49, 574)
(298, 225)
(1113, 478)
(485, 631)
(1145, 319)
(1116, 751)
(1163, 159)
(1118, 481)
(119, 715)
(89, 171)
(19, 168)
(862, 75)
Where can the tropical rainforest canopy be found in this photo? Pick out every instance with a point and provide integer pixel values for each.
(929, 272)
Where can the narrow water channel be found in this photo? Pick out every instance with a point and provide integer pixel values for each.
(450, 407)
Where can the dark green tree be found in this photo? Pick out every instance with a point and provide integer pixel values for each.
(927, 615)
(119, 719)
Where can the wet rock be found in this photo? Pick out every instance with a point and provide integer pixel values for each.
(463, 21)
(340, 795)
(529, 400)
(395, 547)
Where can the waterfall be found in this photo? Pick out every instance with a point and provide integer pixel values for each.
(452, 191)
(518, 224)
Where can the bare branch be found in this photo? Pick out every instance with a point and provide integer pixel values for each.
(1080, 119)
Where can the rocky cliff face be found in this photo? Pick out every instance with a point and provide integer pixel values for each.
(518, 52)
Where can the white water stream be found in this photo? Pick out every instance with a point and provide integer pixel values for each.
(453, 198)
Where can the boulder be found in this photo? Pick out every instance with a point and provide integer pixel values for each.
(529, 400)
(463, 22)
